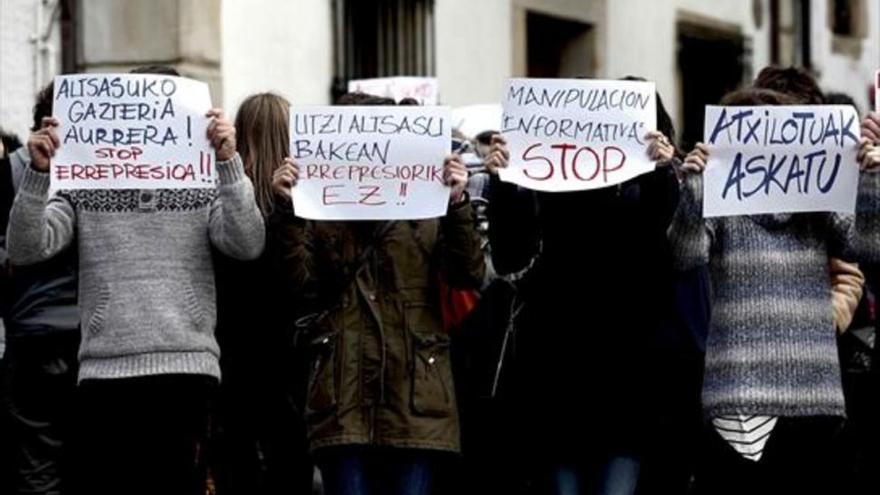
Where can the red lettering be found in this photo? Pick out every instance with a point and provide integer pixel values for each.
(605, 168)
(62, 172)
(564, 151)
(527, 158)
(574, 163)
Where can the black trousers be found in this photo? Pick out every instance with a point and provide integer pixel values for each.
(142, 435)
(39, 380)
(259, 444)
(802, 456)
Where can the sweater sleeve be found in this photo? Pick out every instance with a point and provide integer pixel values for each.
(236, 224)
(866, 237)
(846, 291)
(690, 235)
(39, 227)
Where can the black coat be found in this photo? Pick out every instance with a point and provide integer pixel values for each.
(594, 300)
(38, 300)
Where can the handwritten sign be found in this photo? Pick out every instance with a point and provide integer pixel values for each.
(572, 134)
(131, 131)
(780, 159)
(370, 163)
(425, 90)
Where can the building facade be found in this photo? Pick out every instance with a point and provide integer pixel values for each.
(307, 49)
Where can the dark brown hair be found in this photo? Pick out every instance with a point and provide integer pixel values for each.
(795, 82)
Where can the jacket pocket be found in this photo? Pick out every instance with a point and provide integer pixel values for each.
(431, 393)
(322, 396)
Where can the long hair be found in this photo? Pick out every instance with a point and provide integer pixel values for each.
(263, 141)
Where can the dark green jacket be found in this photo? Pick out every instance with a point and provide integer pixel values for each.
(381, 371)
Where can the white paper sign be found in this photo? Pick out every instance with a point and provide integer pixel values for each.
(780, 159)
(132, 131)
(370, 162)
(425, 90)
(877, 91)
(577, 134)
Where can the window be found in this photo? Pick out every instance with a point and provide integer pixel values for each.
(69, 45)
(790, 42)
(382, 38)
(843, 17)
(558, 47)
(847, 20)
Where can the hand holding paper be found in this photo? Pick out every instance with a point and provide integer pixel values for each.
(43, 144)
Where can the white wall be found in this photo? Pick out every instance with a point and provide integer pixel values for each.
(642, 38)
(24, 69)
(473, 49)
(281, 46)
(843, 73)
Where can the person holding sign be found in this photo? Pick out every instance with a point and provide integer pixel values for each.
(772, 385)
(148, 356)
(381, 406)
(259, 446)
(600, 284)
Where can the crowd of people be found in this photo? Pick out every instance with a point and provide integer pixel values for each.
(621, 344)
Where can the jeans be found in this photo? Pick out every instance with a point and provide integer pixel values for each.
(617, 475)
(377, 471)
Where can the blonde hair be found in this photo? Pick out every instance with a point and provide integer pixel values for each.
(263, 138)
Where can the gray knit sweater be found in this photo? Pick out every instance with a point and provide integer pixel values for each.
(146, 286)
(771, 348)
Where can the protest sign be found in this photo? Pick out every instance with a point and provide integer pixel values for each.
(131, 131)
(425, 90)
(576, 134)
(780, 159)
(370, 163)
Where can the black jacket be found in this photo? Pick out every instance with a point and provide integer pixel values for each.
(40, 299)
(601, 285)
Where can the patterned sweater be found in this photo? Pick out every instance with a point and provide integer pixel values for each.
(146, 287)
(771, 348)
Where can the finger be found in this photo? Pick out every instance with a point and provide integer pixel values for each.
(871, 129)
(53, 137)
(703, 148)
(499, 139)
(215, 113)
(501, 159)
(49, 122)
(44, 148)
(654, 136)
(226, 134)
